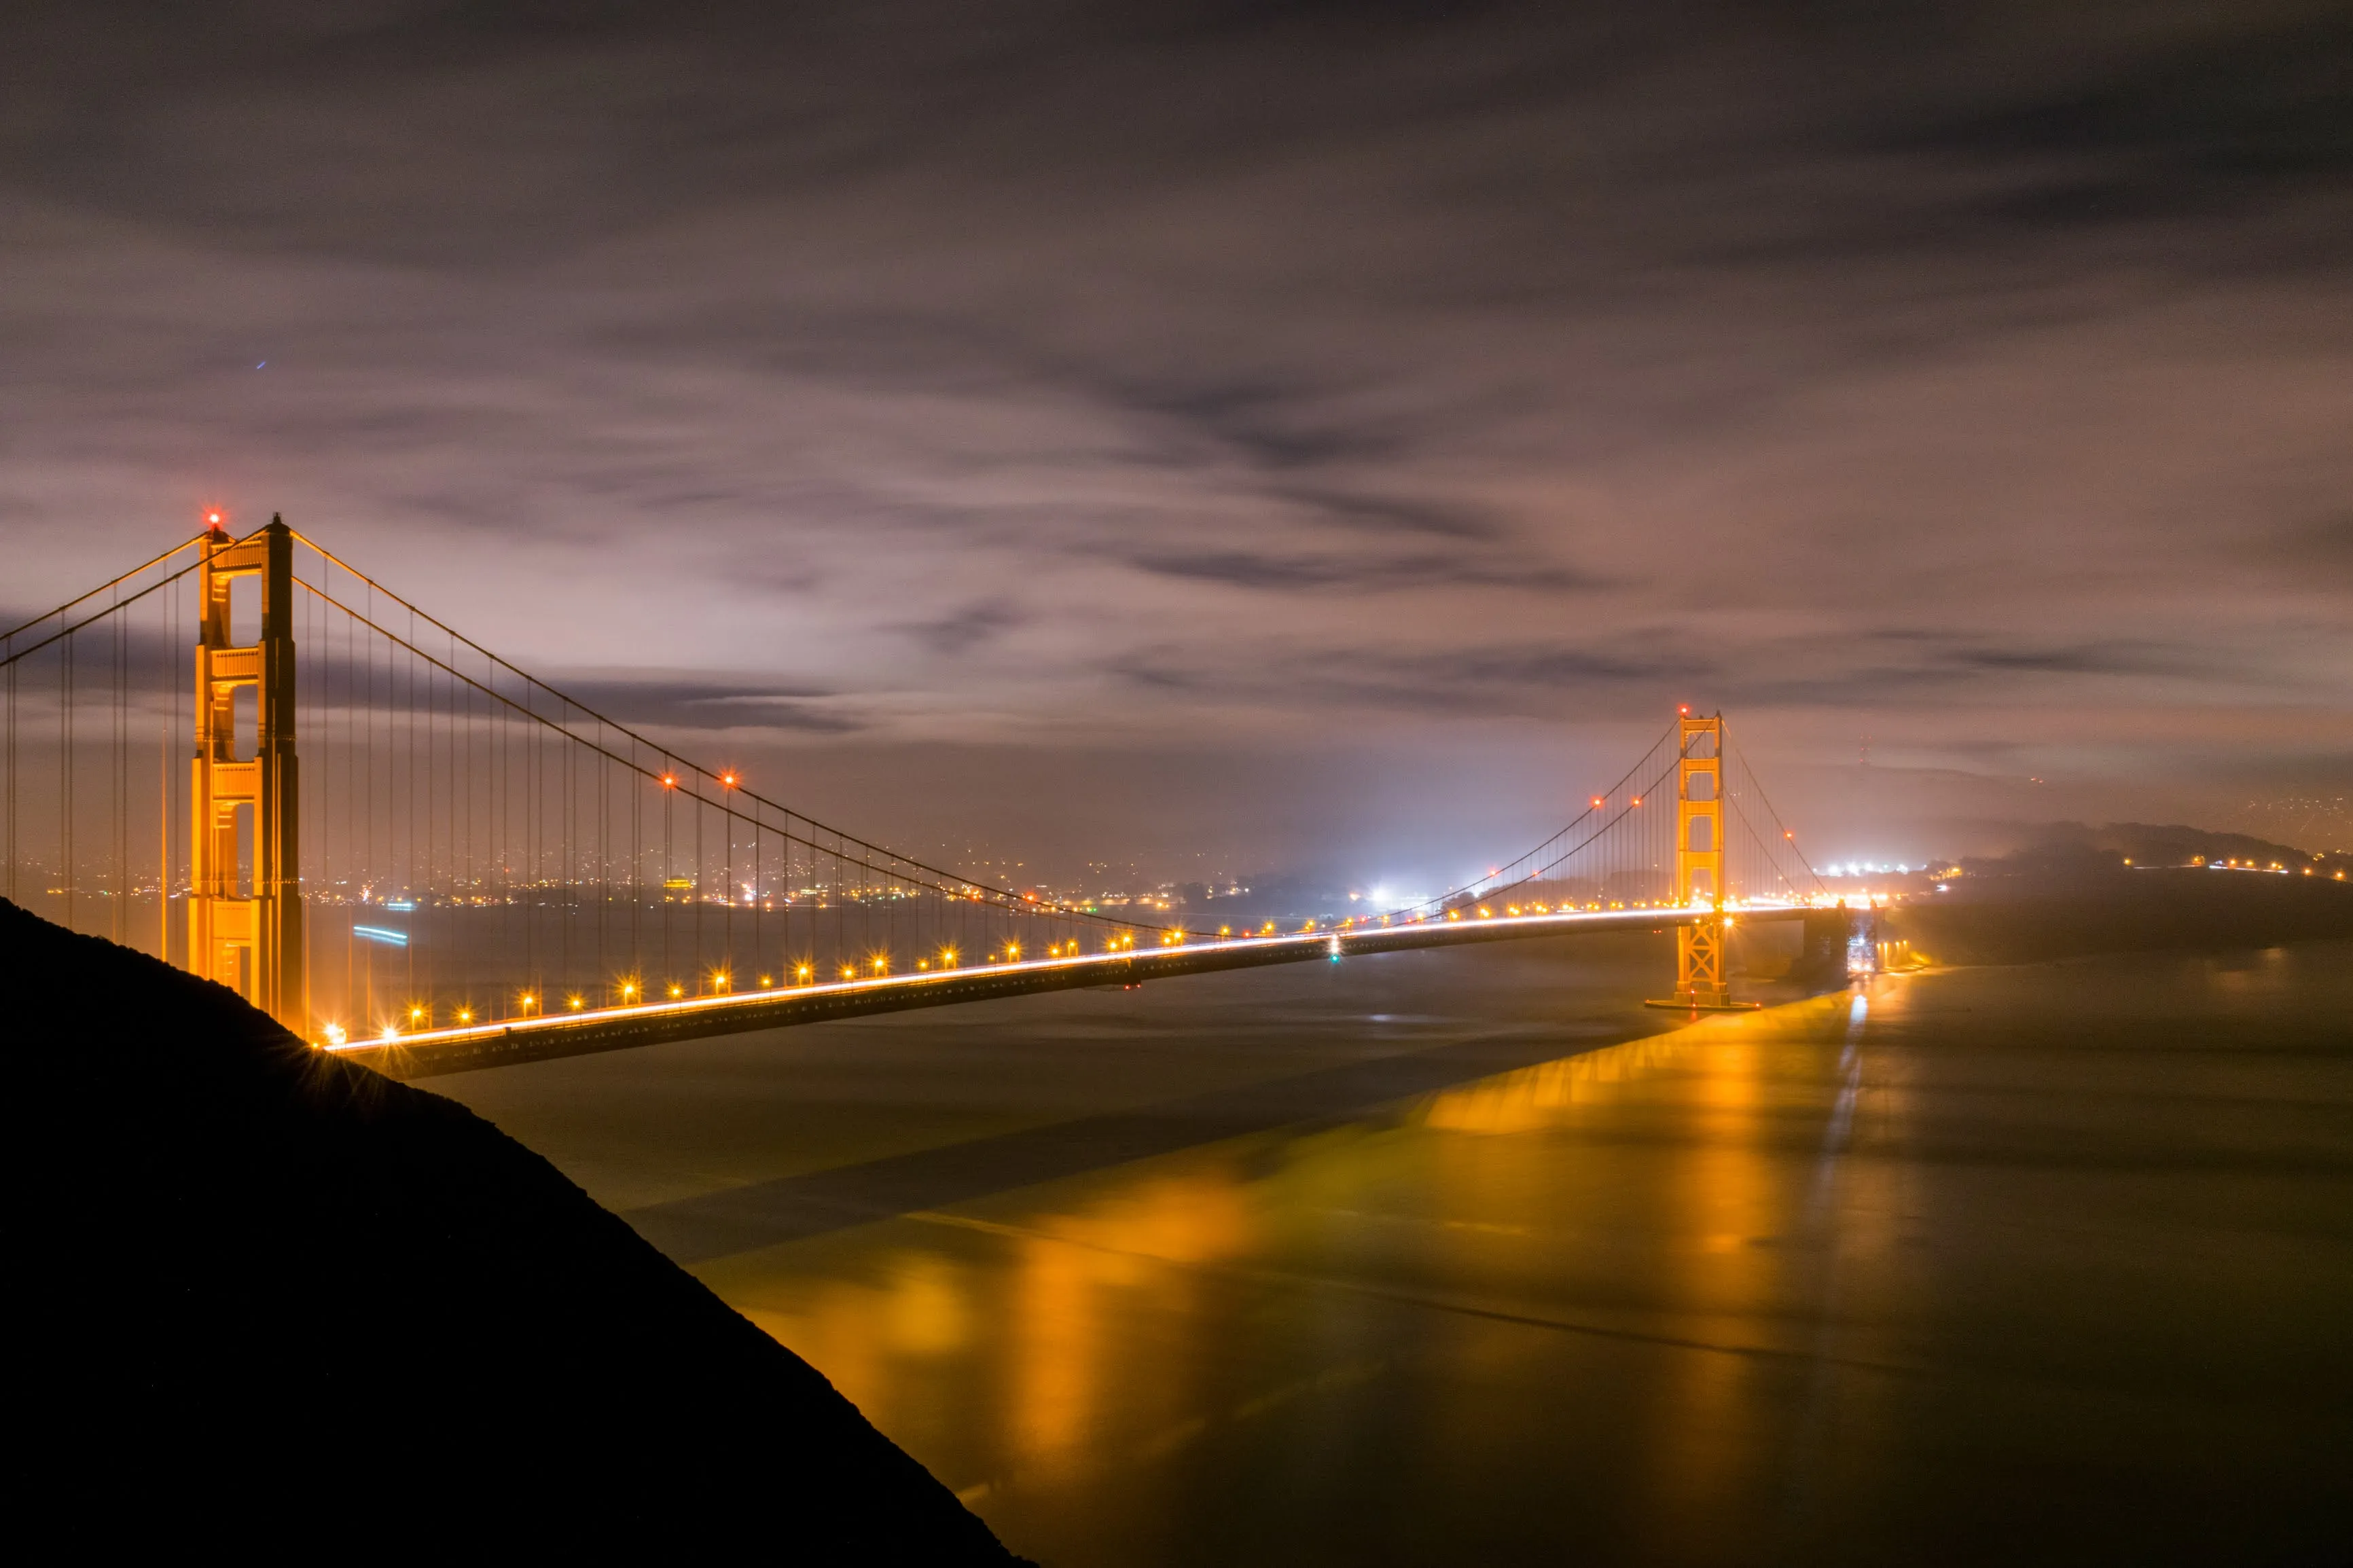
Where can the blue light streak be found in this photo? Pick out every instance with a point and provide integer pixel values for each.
(378, 934)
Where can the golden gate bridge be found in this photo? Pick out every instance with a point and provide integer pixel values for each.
(409, 850)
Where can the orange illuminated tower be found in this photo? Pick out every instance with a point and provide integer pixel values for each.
(1699, 864)
(244, 895)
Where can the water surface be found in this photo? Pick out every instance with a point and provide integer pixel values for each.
(1464, 1256)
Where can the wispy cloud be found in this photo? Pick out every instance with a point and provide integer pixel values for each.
(1075, 371)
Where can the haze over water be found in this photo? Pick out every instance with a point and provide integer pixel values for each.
(1463, 1257)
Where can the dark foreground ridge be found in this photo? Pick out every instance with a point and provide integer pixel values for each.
(278, 1296)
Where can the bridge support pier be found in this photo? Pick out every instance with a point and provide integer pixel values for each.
(247, 934)
(1699, 965)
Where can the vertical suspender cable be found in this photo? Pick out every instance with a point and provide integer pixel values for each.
(65, 772)
(12, 782)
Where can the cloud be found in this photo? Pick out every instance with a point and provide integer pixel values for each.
(706, 705)
(1965, 374)
(2325, 546)
(1363, 573)
(962, 630)
(1533, 681)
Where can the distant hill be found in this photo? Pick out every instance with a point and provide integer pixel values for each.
(2060, 844)
(2044, 911)
(265, 1295)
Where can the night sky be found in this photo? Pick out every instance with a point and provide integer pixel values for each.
(1253, 436)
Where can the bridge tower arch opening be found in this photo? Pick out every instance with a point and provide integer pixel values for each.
(247, 931)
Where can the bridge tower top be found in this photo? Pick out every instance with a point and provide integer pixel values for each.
(1699, 809)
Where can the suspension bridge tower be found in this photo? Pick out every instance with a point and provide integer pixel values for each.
(1699, 863)
(246, 932)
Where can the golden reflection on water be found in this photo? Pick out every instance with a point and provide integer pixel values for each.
(925, 1314)
(1195, 1217)
(1725, 1192)
(1033, 1320)
(1080, 1271)
(1056, 1365)
(1086, 1331)
(1714, 1196)
(1534, 1097)
(1722, 1050)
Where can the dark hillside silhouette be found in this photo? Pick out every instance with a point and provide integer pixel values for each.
(272, 1296)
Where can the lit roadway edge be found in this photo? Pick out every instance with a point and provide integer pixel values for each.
(538, 1038)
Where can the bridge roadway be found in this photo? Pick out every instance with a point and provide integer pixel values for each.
(431, 1052)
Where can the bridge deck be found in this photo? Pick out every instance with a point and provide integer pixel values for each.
(431, 1052)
